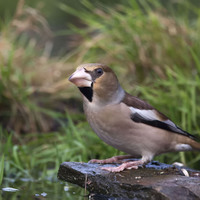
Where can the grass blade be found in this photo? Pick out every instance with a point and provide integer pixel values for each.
(1, 169)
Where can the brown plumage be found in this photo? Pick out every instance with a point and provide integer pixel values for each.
(124, 121)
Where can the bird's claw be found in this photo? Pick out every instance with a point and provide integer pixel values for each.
(96, 161)
(119, 168)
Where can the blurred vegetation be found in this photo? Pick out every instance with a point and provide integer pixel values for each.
(153, 46)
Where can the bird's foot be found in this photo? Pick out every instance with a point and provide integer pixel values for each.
(126, 165)
(114, 159)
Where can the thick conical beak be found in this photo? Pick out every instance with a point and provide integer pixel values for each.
(81, 78)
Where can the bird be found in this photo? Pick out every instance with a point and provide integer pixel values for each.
(126, 122)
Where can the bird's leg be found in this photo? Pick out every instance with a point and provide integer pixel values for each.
(114, 159)
(127, 165)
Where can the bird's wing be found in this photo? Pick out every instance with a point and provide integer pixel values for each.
(142, 112)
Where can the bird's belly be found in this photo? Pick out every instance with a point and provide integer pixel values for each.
(111, 135)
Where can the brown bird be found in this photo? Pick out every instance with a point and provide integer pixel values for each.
(126, 122)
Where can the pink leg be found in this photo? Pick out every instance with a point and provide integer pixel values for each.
(127, 165)
(114, 159)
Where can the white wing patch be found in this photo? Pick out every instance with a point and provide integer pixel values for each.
(150, 115)
(146, 114)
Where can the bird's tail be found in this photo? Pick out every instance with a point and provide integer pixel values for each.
(188, 141)
(195, 145)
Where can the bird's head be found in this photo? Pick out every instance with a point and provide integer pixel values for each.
(98, 83)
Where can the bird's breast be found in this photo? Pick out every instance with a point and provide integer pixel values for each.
(109, 124)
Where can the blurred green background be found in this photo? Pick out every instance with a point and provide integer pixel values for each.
(153, 46)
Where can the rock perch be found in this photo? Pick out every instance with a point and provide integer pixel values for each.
(154, 181)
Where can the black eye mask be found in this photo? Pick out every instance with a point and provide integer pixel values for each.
(96, 73)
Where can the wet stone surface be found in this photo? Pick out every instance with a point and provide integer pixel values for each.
(154, 181)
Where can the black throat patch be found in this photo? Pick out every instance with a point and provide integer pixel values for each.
(87, 92)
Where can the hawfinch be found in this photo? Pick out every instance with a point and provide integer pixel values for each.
(125, 122)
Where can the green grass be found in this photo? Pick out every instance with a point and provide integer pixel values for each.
(1, 168)
(32, 86)
(40, 157)
(139, 39)
(154, 49)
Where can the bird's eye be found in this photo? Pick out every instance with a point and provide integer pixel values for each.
(99, 71)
